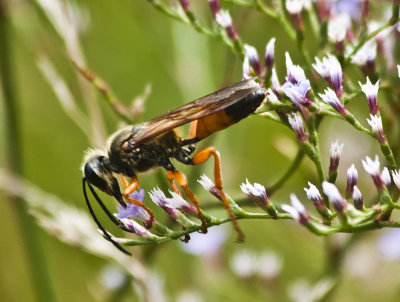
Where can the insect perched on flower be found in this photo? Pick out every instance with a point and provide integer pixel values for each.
(139, 148)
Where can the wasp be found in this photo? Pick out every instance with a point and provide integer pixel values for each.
(139, 148)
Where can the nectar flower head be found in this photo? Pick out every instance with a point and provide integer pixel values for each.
(294, 6)
(276, 86)
(214, 6)
(296, 210)
(224, 19)
(352, 177)
(209, 186)
(329, 68)
(257, 193)
(338, 27)
(373, 168)
(314, 195)
(132, 210)
(385, 175)
(365, 55)
(335, 153)
(334, 196)
(270, 53)
(137, 228)
(396, 179)
(331, 98)
(296, 122)
(371, 92)
(295, 73)
(358, 199)
(254, 61)
(297, 93)
(246, 69)
(376, 125)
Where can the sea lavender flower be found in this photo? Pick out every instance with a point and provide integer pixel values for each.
(371, 92)
(352, 177)
(294, 8)
(398, 70)
(329, 68)
(296, 210)
(254, 61)
(372, 167)
(331, 98)
(185, 5)
(396, 179)
(297, 93)
(224, 19)
(269, 54)
(172, 205)
(137, 228)
(337, 29)
(295, 73)
(209, 186)
(365, 57)
(246, 69)
(276, 86)
(258, 194)
(335, 198)
(385, 175)
(334, 158)
(214, 6)
(314, 195)
(296, 122)
(376, 124)
(358, 199)
(349, 7)
(132, 210)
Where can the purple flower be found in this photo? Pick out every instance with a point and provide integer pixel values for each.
(257, 193)
(335, 153)
(296, 122)
(329, 68)
(372, 167)
(297, 92)
(224, 19)
(337, 201)
(270, 54)
(331, 98)
(385, 175)
(296, 210)
(396, 179)
(352, 177)
(358, 199)
(132, 210)
(295, 73)
(376, 125)
(137, 228)
(214, 6)
(314, 195)
(254, 61)
(185, 5)
(371, 92)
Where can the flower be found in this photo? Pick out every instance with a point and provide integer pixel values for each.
(270, 53)
(352, 176)
(295, 73)
(365, 55)
(185, 5)
(338, 26)
(331, 98)
(371, 92)
(172, 205)
(294, 6)
(137, 228)
(296, 210)
(372, 167)
(214, 6)
(385, 175)
(251, 53)
(334, 196)
(209, 186)
(257, 193)
(314, 195)
(396, 179)
(246, 69)
(132, 210)
(276, 86)
(329, 68)
(376, 124)
(335, 152)
(223, 18)
(297, 93)
(296, 122)
(358, 199)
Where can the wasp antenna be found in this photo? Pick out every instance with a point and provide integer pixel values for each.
(106, 234)
(108, 213)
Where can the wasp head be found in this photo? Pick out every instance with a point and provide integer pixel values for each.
(97, 171)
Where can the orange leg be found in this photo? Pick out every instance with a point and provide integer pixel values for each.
(201, 157)
(129, 189)
(183, 183)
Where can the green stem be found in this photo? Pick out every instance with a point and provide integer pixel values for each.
(28, 228)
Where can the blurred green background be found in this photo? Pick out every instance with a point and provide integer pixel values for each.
(129, 44)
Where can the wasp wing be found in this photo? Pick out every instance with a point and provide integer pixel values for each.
(196, 109)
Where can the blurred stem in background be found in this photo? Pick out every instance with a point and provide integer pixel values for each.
(28, 228)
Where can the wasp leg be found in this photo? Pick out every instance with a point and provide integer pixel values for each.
(201, 157)
(182, 181)
(129, 189)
